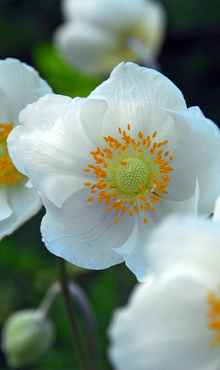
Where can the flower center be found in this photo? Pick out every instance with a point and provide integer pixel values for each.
(132, 176)
(213, 315)
(8, 173)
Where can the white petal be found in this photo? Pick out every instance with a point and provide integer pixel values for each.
(5, 211)
(137, 96)
(87, 47)
(23, 202)
(151, 29)
(119, 16)
(53, 148)
(216, 215)
(132, 250)
(188, 206)
(3, 107)
(163, 327)
(197, 156)
(82, 233)
(21, 85)
(91, 115)
(185, 242)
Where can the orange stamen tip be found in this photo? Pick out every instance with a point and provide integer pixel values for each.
(135, 208)
(108, 160)
(124, 209)
(124, 163)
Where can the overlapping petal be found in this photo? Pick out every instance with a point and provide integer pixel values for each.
(165, 325)
(19, 85)
(52, 138)
(88, 238)
(98, 36)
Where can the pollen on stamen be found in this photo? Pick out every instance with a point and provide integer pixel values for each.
(148, 190)
(213, 316)
(124, 163)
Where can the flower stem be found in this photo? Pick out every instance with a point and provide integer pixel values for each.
(81, 300)
(77, 341)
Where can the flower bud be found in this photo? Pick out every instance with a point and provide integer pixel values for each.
(27, 335)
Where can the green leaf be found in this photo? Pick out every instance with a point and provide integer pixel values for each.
(61, 77)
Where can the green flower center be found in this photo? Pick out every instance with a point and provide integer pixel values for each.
(131, 175)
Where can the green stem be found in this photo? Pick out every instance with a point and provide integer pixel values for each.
(81, 356)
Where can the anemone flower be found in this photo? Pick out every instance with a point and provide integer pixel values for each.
(172, 320)
(109, 167)
(19, 85)
(97, 35)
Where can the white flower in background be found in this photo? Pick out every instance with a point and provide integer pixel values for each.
(19, 85)
(97, 35)
(172, 321)
(111, 166)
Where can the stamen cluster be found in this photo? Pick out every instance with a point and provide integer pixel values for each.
(214, 316)
(8, 173)
(152, 184)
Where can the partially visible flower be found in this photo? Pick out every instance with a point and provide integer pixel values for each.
(27, 335)
(172, 321)
(19, 85)
(97, 35)
(111, 166)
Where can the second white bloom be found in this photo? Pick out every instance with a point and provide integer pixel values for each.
(111, 166)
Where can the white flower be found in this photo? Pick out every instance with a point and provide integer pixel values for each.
(97, 35)
(172, 321)
(19, 85)
(111, 166)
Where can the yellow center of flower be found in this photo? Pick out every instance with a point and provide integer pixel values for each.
(132, 176)
(213, 315)
(8, 173)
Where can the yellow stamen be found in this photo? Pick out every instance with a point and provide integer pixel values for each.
(8, 173)
(213, 315)
(132, 175)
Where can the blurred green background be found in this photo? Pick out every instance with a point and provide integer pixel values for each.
(190, 58)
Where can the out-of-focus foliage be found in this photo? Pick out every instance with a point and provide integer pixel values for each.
(190, 58)
(63, 79)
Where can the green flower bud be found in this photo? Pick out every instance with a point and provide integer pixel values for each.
(27, 335)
